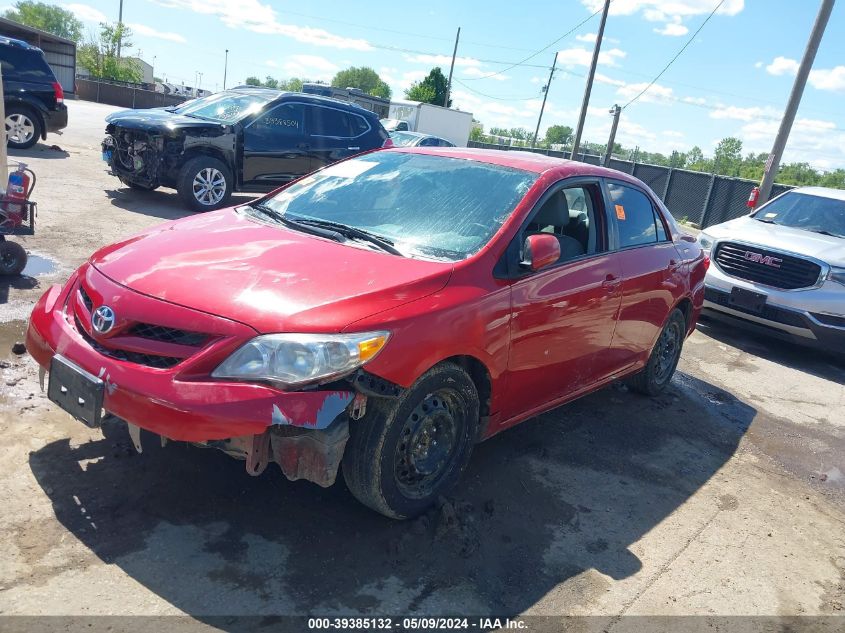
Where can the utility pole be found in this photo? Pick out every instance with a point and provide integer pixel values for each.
(545, 96)
(225, 68)
(615, 111)
(199, 83)
(590, 76)
(119, 29)
(452, 69)
(773, 163)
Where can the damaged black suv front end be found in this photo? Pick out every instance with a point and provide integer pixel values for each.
(135, 157)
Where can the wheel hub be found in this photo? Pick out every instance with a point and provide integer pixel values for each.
(209, 186)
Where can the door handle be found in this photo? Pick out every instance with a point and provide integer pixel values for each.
(611, 283)
(353, 148)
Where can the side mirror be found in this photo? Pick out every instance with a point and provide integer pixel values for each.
(540, 250)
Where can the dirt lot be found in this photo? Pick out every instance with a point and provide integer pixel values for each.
(724, 496)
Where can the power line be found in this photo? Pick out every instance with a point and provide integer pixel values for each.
(491, 96)
(678, 54)
(545, 48)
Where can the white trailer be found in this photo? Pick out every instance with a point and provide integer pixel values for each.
(453, 125)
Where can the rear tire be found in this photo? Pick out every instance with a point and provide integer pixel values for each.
(23, 127)
(407, 452)
(12, 258)
(205, 183)
(664, 358)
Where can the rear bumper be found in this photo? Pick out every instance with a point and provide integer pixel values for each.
(181, 402)
(55, 120)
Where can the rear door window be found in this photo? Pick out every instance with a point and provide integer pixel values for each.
(27, 65)
(332, 122)
(635, 217)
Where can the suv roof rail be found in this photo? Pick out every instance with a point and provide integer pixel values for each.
(11, 41)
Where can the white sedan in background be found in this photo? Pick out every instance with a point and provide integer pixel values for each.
(781, 270)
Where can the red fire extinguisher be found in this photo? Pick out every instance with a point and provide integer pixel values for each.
(17, 193)
(752, 198)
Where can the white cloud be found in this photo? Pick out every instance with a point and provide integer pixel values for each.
(737, 113)
(695, 100)
(254, 16)
(832, 79)
(673, 29)
(814, 141)
(655, 94)
(143, 29)
(583, 57)
(442, 60)
(311, 67)
(590, 38)
(604, 79)
(474, 71)
(782, 66)
(670, 12)
(673, 134)
(86, 13)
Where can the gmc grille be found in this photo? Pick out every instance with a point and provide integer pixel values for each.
(763, 266)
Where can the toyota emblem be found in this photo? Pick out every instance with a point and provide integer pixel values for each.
(103, 319)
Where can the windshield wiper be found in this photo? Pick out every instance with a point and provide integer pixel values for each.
(354, 232)
(282, 219)
(825, 232)
(766, 221)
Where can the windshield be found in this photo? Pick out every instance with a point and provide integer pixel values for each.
(224, 107)
(805, 211)
(428, 206)
(403, 139)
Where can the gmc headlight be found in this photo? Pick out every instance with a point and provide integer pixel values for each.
(837, 274)
(705, 241)
(294, 360)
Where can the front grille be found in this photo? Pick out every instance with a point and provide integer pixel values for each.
(167, 334)
(86, 299)
(786, 271)
(150, 360)
(770, 313)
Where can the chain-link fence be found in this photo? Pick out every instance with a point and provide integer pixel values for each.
(701, 198)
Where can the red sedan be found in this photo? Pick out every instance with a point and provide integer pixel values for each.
(379, 316)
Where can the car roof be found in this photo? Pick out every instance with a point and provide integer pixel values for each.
(824, 192)
(11, 41)
(527, 161)
(271, 93)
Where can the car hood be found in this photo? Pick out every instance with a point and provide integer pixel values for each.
(828, 248)
(158, 119)
(271, 278)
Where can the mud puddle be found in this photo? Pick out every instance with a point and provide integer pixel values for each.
(37, 265)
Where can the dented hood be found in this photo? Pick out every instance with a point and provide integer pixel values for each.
(269, 277)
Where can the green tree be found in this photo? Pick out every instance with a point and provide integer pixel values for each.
(798, 174)
(271, 83)
(432, 89)
(558, 135)
(728, 156)
(47, 17)
(100, 58)
(833, 179)
(293, 84)
(363, 78)
(252, 81)
(477, 133)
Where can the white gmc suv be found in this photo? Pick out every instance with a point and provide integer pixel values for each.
(781, 269)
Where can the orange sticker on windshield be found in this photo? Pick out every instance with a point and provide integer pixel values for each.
(620, 212)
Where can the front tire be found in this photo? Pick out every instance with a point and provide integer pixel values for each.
(12, 258)
(657, 374)
(23, 127)
(205, 183)
(407, 452)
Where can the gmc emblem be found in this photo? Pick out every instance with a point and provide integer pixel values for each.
(766, 260)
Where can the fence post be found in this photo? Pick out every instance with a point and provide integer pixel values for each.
(706, 206)
(134, 90)
(98, 92)
(633, 167)
(666, 188)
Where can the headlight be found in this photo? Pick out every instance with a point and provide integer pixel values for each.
(293, 360)
(837, 274)
(705, 241)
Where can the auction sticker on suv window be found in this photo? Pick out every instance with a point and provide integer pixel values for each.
(620, 212)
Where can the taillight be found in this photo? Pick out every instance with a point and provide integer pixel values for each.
(59, 92)
(388, 143)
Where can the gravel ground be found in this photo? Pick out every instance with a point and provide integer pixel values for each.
(724, 496)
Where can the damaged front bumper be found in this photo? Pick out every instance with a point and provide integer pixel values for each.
(304, 432)
(134, 156)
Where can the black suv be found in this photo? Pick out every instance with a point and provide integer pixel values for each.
(34, 99)
(246, 139)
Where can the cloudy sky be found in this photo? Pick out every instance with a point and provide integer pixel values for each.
(733, 80)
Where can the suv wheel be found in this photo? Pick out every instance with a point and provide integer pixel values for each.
(664, 357)
(406, 452)
(12, 258)
(205, 183)
(23, 128)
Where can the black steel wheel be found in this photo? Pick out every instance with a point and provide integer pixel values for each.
(12, 258)
(408, 451)
(664, 357)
